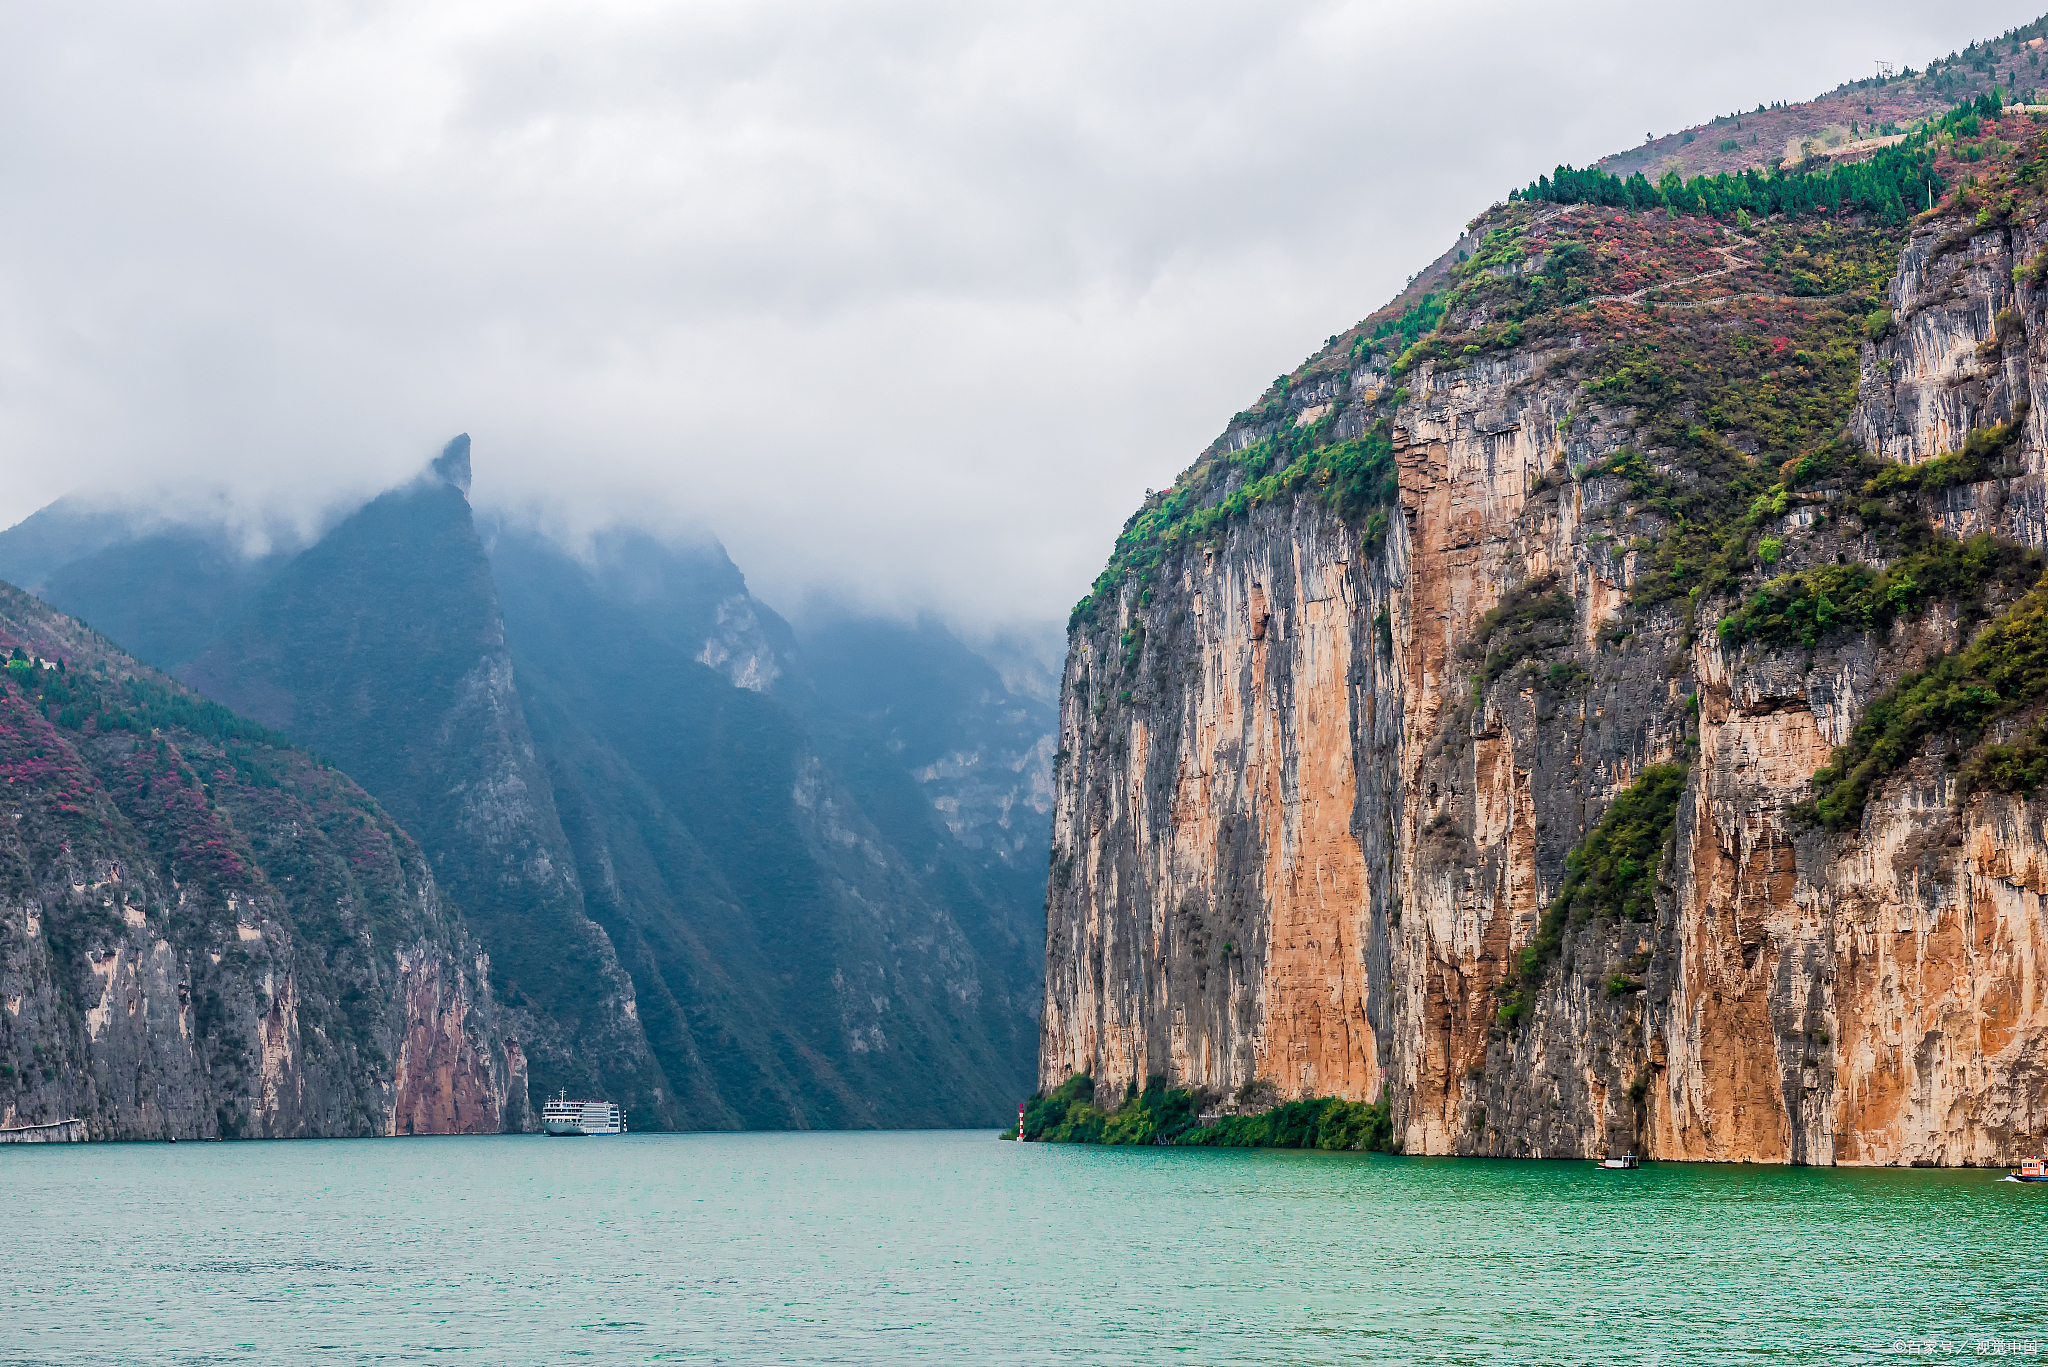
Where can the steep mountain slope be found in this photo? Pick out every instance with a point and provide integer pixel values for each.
(1461, 730)
(941, 766)
(63, 533)
(382, 647)
(815, 957)
(165, 592)
(888, 696)
(204, 931)
(722, 875)
(693, 598)
(1856, 111)
(980, 751)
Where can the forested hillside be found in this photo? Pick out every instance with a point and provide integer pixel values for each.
(206, 931)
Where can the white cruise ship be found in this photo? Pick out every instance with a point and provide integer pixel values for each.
(563, 1116)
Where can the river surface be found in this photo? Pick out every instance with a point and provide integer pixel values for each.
(956, 1248)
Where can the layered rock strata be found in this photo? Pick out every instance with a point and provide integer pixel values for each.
(1301, 837)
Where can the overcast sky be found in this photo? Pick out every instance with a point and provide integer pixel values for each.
(906, 301)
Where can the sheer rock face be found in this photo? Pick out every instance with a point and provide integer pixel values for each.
(195, 943)
(1295, 846)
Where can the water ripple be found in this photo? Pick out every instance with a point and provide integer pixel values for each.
(895, 1248)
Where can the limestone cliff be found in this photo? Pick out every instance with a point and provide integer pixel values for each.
(207, 933)
(1339, 722)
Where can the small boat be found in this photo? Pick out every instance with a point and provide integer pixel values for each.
(566, 1117)
(2030, 1170)
(1627, 1160)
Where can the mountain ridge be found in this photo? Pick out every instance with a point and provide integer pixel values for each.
(610, 672)
(1365, 779)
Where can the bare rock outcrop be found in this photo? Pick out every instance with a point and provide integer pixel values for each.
(1306, 827)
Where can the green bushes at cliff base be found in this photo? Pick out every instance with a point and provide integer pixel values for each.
(1326, 1122)
(1169, 1115)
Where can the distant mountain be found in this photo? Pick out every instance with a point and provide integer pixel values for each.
(205, 931)
(382, 647)
(65, 533)
(977, 743)
(729, 874)
(1843, 123)
(980, 750)
(164, 592)
(808, 940)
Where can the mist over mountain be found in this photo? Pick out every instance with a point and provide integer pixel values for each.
(902, 300)
(727, 873)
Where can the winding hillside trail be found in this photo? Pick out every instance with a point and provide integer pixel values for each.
(1734, 263)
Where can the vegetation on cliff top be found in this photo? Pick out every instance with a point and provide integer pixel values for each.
(1354, 477)
(1737, 350)
(1727, 393)
(1170, 1116)
(1897, 182)
(1730, 321)
(1778, 271)
(1993, 163)
(1731, 325)
(1879, 105)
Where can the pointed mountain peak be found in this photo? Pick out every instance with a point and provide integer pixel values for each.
(452, 465)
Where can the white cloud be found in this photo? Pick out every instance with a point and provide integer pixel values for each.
(908, 301)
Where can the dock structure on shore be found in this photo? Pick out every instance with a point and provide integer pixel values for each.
(52, 1132)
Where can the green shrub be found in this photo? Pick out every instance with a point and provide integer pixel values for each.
(1065, 1116)
(1566, 675)
(1166, 1115)
(1404, 330)
(1805, 608)
(2016, 767)
(1321, 1123)
(1613, 873)
(2003, 670)
(1533, 616)
(1983, 456)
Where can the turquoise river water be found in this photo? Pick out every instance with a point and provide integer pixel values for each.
(953, 1247)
